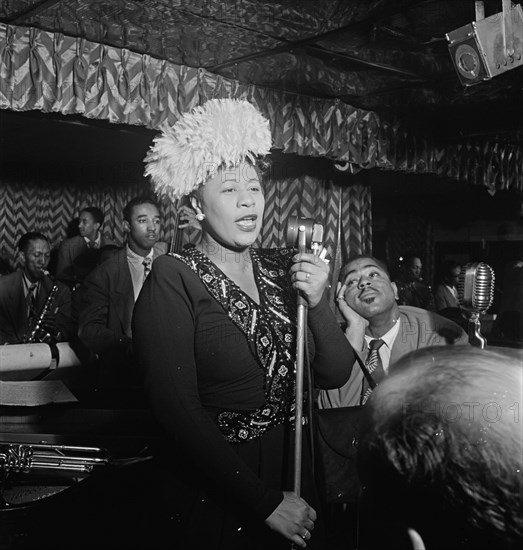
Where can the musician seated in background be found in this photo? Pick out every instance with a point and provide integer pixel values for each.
(24, 297)
(109, 292)
(367, 299)
(446, 291)
(81, 251)
(441, 453)
(412, 289)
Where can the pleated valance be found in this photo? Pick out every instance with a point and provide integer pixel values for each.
(53, 72)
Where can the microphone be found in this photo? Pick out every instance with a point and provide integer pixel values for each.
(476, 293)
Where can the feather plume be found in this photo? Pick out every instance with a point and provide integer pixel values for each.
(222, 132)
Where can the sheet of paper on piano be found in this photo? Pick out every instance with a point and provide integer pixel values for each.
(34, 393)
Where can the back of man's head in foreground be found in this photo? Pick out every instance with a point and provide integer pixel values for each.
(442, 449)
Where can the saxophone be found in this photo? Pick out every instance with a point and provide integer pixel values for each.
(43, 330)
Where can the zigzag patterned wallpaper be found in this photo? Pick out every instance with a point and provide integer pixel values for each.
(50, 208)
(344, 211)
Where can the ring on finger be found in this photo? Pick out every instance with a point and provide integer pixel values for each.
(307, 276)
(306, 535)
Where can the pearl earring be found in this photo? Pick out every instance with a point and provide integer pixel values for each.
(200, 216)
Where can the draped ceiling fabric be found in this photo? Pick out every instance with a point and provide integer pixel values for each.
(56, 73)
(53, 72)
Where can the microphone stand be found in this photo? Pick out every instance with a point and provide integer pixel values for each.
(474, 331)
(317, 237)
(300, 354)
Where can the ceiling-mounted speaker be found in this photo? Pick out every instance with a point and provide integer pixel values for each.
(488, 47)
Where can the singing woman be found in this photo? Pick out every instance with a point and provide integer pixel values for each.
(215, 329)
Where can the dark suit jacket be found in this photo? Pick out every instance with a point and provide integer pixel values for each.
(106, 309)
(68, 252)
(13, 308)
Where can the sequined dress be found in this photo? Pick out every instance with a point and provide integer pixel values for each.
(219, 373)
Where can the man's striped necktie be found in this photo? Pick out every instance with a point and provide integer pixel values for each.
(374, 367)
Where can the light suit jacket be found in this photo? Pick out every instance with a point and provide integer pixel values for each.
(419, 328)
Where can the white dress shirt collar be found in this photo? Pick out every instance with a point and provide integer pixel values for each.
(388, 339)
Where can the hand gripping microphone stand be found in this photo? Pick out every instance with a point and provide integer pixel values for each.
(305, 232)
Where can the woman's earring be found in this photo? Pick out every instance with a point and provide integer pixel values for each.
(200, 216)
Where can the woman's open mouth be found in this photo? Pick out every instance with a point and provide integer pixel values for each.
(247, 223)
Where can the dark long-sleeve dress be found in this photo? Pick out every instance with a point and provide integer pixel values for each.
(219, 374)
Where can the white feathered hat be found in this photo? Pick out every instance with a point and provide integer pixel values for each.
(222, 132)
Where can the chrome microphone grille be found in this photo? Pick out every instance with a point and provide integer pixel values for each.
(476, 287)
(484, 287)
